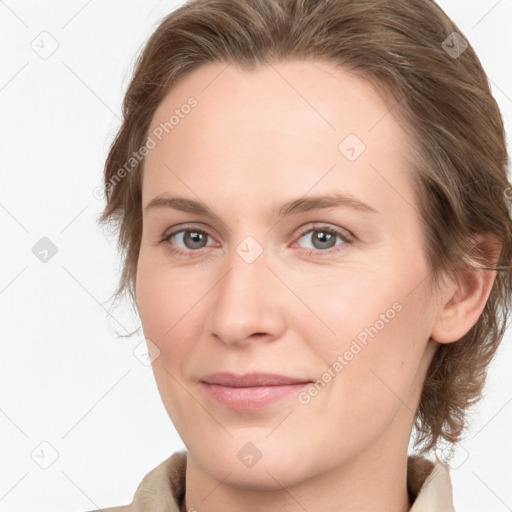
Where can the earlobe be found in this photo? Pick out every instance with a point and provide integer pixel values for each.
(462, 302)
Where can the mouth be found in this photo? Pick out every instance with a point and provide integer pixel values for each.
(251, 391)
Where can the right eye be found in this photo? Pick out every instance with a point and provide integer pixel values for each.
(186, 241)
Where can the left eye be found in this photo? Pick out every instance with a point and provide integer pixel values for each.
(323, 239)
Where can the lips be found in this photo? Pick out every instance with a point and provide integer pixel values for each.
(251, 379)
(251, 391)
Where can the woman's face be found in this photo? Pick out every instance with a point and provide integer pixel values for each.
(332, 288)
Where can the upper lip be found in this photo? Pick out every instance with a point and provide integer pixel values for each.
(251, 379)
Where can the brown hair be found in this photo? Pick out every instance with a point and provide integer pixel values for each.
(458, 149)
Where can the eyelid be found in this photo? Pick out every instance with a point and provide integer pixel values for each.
(319, 226)
(199, 226)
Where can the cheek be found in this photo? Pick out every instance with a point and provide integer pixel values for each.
(372, 337)
(167, 306)
(168, 311)
(345, 304)
(379, 368)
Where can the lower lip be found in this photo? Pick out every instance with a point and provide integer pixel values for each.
(251, 398)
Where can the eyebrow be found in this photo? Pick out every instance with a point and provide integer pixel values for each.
(303, 204)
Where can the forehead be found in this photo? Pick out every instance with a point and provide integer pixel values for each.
(281, 126)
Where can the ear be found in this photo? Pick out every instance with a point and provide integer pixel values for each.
(461, 303)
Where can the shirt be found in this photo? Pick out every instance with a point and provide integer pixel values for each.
(163, 488)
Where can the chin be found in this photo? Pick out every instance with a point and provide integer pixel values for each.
(262, 464)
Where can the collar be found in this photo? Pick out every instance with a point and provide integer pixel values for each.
(163, 488)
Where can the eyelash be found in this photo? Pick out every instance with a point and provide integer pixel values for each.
(346, 240)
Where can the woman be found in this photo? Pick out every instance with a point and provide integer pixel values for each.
(313, 206)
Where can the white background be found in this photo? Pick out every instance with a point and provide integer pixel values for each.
(65, 378)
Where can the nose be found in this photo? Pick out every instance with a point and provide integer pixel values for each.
(248, 303)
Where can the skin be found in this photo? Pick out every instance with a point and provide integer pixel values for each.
(256, 140)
